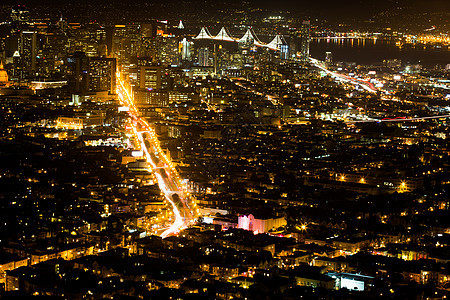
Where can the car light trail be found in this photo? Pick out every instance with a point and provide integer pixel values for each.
(170, 184)
(368, 86)
(401, 119)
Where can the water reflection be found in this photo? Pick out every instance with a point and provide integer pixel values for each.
(372, 51)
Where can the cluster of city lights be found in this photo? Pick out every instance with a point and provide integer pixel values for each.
(434, 39)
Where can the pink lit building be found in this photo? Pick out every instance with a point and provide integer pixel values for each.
(260, 225)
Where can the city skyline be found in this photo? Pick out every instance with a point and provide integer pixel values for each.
(225, 150)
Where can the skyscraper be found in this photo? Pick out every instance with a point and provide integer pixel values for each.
(293, 42)
(20, 16)
(284, 52)
(148, 30)
(102, 74)
(167, 50)
(78, 67)
(304, 42)
(203, 57)
(185, 49)
(28, 51)
(150, 77)
(328, 57)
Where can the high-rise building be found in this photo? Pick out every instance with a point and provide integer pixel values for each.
(304, 42)
(167, 50)
(293, 40)
(328, 57)
(120, 40)
(20, 15)
(78, 69)
(185, 49)
(28, 51)
(203, 57)
(145, 97)
(16, 69)
(148, 49)
(148, 30)
(12, 44)
(162, 27)
(62, 24)
(102, 74)
(150, 77)
(284, 52)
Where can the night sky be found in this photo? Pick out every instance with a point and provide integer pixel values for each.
(325, 7)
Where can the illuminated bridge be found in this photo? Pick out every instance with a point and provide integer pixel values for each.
(248, 38)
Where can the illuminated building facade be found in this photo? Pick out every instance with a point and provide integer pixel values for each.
(28, 51)
(305, 40)
(4, 79)
(329, 57)
(260, 225)
(284, 51)
(146, 97)
(167, 49)
(20, 16)
(69, 123)
(102, 74)
(203, 57)
(185, 50)
(148, 30)
(150, 77)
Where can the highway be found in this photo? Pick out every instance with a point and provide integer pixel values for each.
(168, 179)
(368, 86)
(238, 81)
(400, 119)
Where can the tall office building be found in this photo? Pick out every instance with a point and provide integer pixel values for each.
(329, 57)
(20, 16)
(28, 51)
(284, 52)
(148, 30)
(102, 74)
(11, 43)
(16, 68)
(148, 49)
(185, 49)
(119, 41)
(62, 24)
(304, 42)
(78, 68)
(167, 50)
(203, 57)
(293, 42)
(150, 77)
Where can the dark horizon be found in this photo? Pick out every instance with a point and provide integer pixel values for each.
(343, 8)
